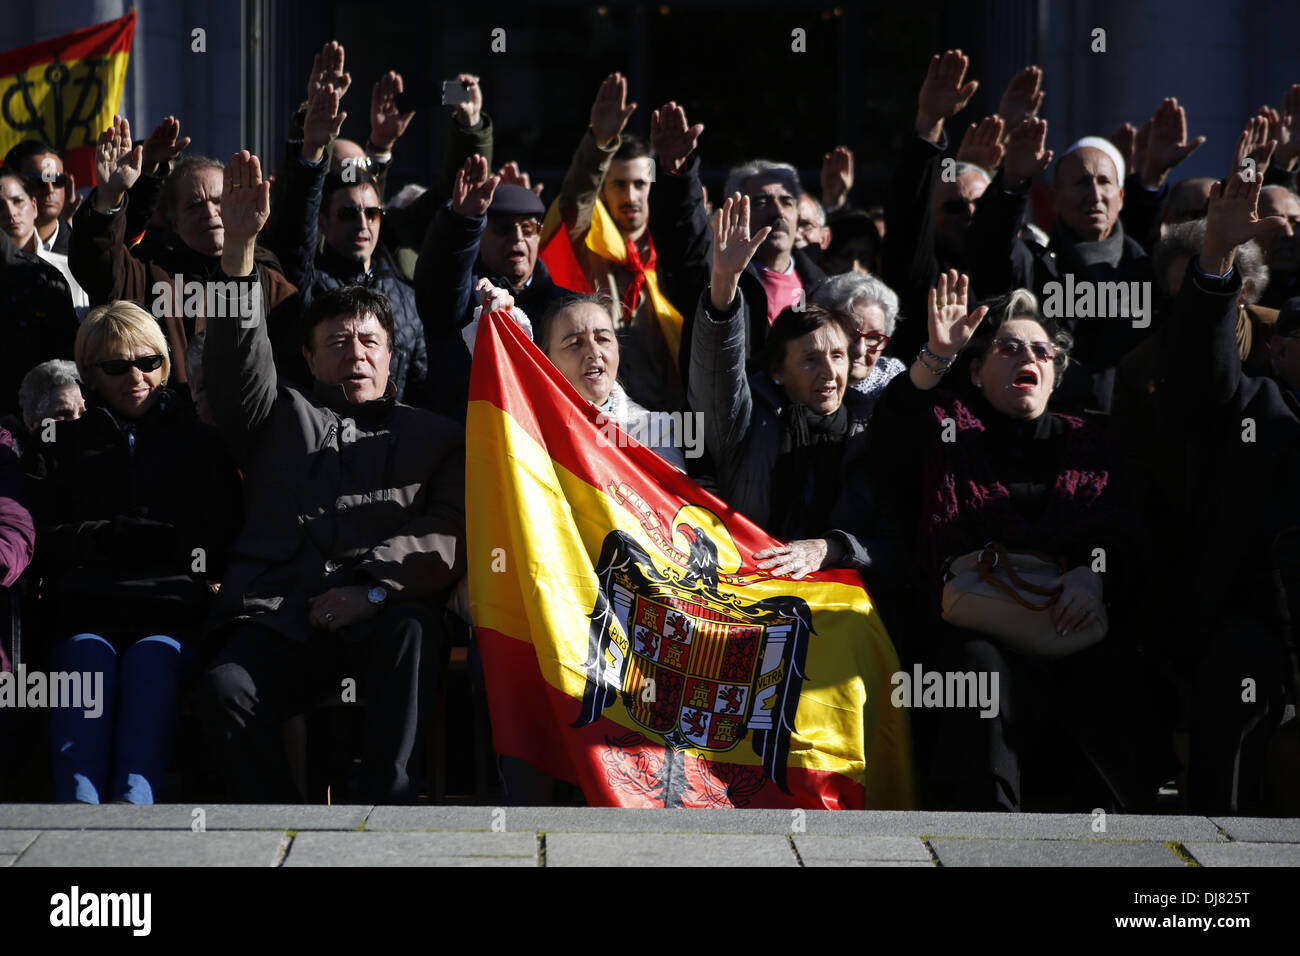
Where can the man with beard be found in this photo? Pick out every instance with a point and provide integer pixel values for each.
(52, 186)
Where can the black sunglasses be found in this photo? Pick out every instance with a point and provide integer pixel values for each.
(38, 179)
(351, 213)
(146, 363)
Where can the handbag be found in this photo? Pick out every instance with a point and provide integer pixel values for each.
(1008, 595)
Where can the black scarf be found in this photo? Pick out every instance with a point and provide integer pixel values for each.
(806, 475)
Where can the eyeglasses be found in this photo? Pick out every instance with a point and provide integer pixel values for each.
(38, 179)
(352, 213)
(874, 341)
(146, 363)
(1014, 348)
(507, 227)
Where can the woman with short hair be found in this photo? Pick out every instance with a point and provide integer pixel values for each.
(778, 436)
(136, 503)
(868, 310)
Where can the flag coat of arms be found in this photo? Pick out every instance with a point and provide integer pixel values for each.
(631, 646)
(65, 91)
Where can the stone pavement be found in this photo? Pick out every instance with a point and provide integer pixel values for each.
(183, 835)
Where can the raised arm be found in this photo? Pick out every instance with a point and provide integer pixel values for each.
(609, 115)
(238, 366)
(719, 386)
(97, 253)
(444, 272)
(1205, 364)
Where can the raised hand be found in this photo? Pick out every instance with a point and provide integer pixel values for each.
(118, 164)
(1124, 139)
(1022, 97)
(511, 175)
(245, 198)
(837, 177)
(322, 124)
(468, 114)
(1027, 154)
(327, 70)
(387, 124)
(943, 94)
(163, 145)
(1233, 217)
(473, 190)
(611, 110)
(1284, 126)
(733, 247)
(1255, 135)
(982, 144)
(70, 198)
(671, 139)
(951, 327)
(1168, 144)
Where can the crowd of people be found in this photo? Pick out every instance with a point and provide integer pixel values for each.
(232, 464)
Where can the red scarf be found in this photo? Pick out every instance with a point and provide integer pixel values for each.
(638, 268)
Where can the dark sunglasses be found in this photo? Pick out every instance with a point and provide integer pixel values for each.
(1013, 348)
(146, 363)
(352, 213)
(38, 179)
(507, 227)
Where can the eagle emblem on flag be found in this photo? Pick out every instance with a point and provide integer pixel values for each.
(694, 665)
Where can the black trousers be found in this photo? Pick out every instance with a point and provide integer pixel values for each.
(259, 679)
(1071, 733)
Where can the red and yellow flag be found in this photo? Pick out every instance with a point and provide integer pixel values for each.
(65, 91)
(603, 240)
(630, 644)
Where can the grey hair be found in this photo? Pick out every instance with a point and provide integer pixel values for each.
(184, 166)
(194, 355)
(1186, 238)
(1180, 239)
(38, 384)
(787, 174)
(839, 294)
(961, 169)
(819, 211)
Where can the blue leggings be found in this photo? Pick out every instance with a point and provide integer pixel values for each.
(134, 733)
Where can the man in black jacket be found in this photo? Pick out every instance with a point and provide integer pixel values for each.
(778, 277)
(355, 533)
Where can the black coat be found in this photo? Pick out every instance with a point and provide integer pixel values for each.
(37, 317)
(134, 519)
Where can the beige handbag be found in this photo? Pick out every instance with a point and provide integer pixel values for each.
(1009, 596)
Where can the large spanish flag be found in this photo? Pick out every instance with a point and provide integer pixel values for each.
(65, 91)
(630, 644)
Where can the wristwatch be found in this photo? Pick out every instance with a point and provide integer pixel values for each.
(377, 596)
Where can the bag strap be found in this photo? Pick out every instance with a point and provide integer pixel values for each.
(995, 553)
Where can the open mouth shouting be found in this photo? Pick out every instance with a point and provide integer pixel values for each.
(1026, 380)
